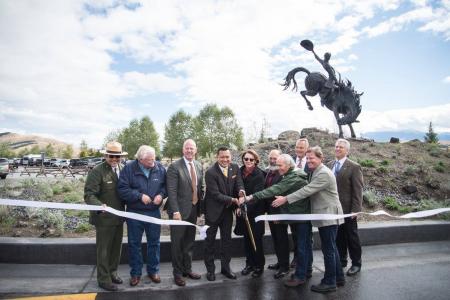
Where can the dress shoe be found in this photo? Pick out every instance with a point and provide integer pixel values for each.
(257, 272)
(280, 274)
(294, 281)
(192, 275)
(116, 279)
(210, 276)
(179, 280)
(340, 282)
(228, 274)
(155, 278)
(134, 280)
(275, 266)
(247, 270)
(293, 263)
(108, 286)
(353, 270)
(323, 288)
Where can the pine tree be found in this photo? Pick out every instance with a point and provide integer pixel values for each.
(431, 137)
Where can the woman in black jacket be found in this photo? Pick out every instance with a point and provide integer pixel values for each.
(253, 178)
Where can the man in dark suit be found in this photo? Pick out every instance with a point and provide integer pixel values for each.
(223, 187)
(184, 190)
(100, 189)
(301, 146)
(349, 180)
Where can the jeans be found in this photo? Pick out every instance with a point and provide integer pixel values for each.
(304, 249)
(152, 232)
(333, 268)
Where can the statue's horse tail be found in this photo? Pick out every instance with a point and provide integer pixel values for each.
(291, 77)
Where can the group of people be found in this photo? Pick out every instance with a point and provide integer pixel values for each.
(290, 185)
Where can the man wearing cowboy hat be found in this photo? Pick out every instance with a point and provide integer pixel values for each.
(100, 189)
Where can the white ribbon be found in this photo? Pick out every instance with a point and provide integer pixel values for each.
(130, 215)
(319, 217)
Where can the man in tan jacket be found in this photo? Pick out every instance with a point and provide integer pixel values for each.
(349, 179)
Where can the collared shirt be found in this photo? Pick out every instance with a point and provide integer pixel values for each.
(341, 163)
(189, 167)
(144, 170)
(297, 159)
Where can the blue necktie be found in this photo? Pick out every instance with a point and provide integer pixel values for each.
(337, 167)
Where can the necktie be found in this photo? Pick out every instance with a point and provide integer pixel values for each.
(337, 167)
(194, 184)
(116, 172)
(225, 172)
(299, 165)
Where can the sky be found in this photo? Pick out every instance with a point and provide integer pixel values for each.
(77, 70)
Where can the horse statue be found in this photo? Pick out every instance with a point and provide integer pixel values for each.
(335, 94)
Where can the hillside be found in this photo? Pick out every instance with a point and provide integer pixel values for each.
(18, 142)
(414, 174)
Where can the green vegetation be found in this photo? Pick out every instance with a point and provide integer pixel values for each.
(431, 137)
(73, 197)
(410, 170)
(369, 163)
(382, 170)
(370, 199)
(83, 227)
(391, 203)
(139, 132)
(385, 162)
(439, 167)
(47, 218)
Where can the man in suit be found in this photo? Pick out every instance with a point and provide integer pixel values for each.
(184, 190)
(100, 189)
(223, 187)
(349, 180)
(324, 199)
(301, 146)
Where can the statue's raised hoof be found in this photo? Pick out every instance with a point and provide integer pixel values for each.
(310, 108)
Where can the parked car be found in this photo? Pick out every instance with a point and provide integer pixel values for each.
(59, 162)
(77, 162)
(13, 163)
(4, 167)
(53, 162)
(92, 162)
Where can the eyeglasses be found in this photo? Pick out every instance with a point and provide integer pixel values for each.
(114, 156)
(249, 159)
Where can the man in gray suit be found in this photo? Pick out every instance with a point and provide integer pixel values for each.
(349, 179)
(185, 190)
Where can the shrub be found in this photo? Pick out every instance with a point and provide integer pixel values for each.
(370, 199)
(73, 197)
(433, 150)
(391, 203)
(366, 163)
(384, 162)
(405, 209)
(382, 170)
(44, 190)
(67, 187)
(410, 170)
(83, 227)
(47, 218)
(440, 167)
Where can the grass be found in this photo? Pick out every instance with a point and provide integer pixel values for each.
(440, 167)
(391, 203)
(83, 227)
(369, 163)
(73, 197)
(370, 199)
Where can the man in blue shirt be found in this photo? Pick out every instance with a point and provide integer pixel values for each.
(142, 187)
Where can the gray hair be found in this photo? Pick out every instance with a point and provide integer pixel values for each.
(302, 140)
(143, 151)
(288, 160)
(344, 142)
(275, 150)
(189, 141)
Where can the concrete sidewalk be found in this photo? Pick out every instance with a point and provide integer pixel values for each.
(18, 280)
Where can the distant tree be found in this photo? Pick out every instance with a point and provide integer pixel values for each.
(49, 151)
(22, 152)
(35, 150)
(84, 149)
(5, 150)
(67, 152)
(112, 136)
(431, 137)
(139, 132)
(176, 131)
(263, 135)
(214, 127)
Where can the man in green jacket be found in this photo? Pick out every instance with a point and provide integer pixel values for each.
(293, 180)
(100, 189)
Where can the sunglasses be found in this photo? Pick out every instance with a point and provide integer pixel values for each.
(114, 156)
(249, 159)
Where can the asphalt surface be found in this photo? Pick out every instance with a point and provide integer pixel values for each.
(396, 271)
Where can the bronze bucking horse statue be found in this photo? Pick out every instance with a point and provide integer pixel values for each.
(335, 94)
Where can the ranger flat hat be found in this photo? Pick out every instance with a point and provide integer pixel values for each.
(113, 148)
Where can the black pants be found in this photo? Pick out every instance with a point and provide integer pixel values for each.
(182, 242)
(225, 222)
(254, 258)
(280, 243)
(347, 240)
(293, 227)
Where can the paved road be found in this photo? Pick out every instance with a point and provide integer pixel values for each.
(397, 271)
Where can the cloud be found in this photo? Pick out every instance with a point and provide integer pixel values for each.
(446, 79)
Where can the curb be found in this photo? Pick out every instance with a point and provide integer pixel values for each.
(81, 251)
